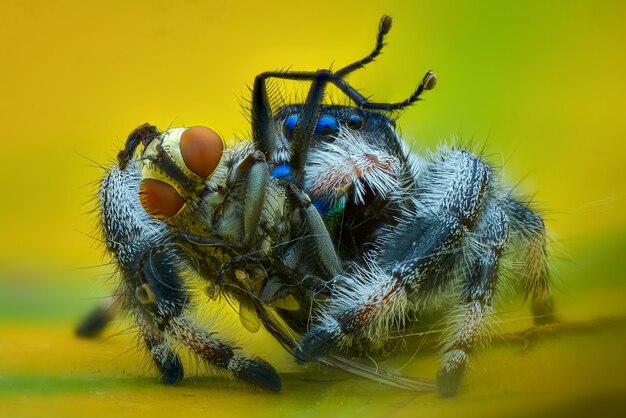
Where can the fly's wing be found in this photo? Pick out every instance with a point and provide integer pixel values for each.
(378, 374)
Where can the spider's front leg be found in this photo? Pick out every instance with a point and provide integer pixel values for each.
(266, 138)
(417, 260)
(150, 261)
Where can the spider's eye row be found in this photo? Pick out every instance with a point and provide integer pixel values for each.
(326, 125)
(355, 122)
(201, 149)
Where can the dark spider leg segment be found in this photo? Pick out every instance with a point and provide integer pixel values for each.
(305, 128)
(383, 29)
(262, 119)
(452, 193)
(428, 83)
(469, 325)
(99, 318)
(529, 232)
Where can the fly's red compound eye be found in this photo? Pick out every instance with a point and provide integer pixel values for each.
(160, 199)
(201, 149)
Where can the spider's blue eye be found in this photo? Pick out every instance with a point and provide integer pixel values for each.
(355, 122)
(290, 124)
(327, 125)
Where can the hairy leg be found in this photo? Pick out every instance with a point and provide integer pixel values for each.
(150, 264)
(528, 236)
(468, 323)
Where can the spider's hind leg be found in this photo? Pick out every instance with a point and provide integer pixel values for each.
(97, 320)
(528, 237)
(469, 322)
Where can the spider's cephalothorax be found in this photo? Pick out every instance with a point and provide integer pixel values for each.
(325, 220)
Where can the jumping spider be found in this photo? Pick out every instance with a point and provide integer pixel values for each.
(325, 224)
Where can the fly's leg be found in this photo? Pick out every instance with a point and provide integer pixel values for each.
(469, 323)
(161, 303)
(528, 235)
(142, 135)
(324, 249)
(317, 234)
(164, 356)
(248, 180)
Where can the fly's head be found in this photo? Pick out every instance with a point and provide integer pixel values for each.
(177, 166)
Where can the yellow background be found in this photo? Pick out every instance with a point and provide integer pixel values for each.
(541, 83)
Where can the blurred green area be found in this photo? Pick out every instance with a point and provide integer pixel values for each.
(539, 84)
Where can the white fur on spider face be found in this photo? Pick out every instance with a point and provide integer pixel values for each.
(352, 160)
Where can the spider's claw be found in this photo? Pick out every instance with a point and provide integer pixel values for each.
(257, 372)
(171, 370)
(451, 373)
